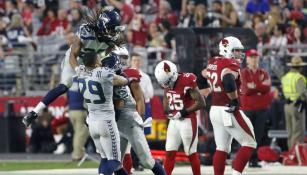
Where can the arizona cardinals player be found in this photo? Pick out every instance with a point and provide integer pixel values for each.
(223, 74)
(181, 99)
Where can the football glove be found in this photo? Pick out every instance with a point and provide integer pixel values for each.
(179, 115)
(233, 106)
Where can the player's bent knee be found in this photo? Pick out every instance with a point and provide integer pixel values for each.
(224, 149)
(147, 162)
(251, 143)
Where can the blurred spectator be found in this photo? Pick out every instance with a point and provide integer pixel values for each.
(229, 17)
(296, 13)
(257, 6)
(64, 26)
(50, 23)
(165, 13)
(188, 19)
(274, 17)
(295, 93)
(215, 13)
(61, 135)
(77, 115)
(42, 140)
(155, 38)
(278, 41)
(295, 38)
(169, 40)
(16, 33)
(76, 20)
(256, 97)
(11, 8)
(201, 18)
(138, 27)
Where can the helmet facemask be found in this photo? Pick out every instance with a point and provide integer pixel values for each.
(238, 54)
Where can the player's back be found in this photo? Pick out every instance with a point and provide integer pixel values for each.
(97, 89)
(178, 97)
(89, 40)
(216, 69)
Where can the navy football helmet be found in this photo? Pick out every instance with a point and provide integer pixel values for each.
(108, 25)
(112, 61)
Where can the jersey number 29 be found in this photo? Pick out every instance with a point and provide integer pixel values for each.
(94, 88)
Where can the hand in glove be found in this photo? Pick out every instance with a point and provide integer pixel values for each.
(233, 106)
(79, 69)
(179, 115)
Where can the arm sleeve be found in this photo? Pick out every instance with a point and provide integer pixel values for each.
(229, 83)
(202, 82)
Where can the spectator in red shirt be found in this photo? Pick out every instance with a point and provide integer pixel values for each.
(50, 23)
(255, 98)
(165, 12)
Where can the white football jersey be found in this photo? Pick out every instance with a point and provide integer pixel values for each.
(97, 89)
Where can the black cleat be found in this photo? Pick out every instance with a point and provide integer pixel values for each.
(29, 118)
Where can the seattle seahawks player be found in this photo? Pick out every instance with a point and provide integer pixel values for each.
(101, 31)
(129, 105)
(96, 85)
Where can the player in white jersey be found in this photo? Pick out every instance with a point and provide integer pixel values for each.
(101, 32)
(129, 104)
(96, 86)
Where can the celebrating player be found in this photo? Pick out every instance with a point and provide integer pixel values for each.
(101, 31)
(96, 85)
(181, 99)
(223, 74)
(130, 107)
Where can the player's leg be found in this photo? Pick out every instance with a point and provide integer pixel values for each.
(95, 134)
(189, 135)
(222, 140)
(243, 132)
(66, 81)
(173, 141)
(125, 148)
(110, 140)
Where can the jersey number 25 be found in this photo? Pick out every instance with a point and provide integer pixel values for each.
(174, 101)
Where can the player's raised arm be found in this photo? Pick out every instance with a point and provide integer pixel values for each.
(120, 80)
(75, 50)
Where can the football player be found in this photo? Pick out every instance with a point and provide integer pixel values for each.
(130, 107)
(223, 74)
(181, 101)
(101, 32)
(96, 85)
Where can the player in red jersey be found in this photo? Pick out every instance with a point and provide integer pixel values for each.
(181, 99)
(223, 74)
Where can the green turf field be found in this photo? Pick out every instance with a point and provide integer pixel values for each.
(12, 166)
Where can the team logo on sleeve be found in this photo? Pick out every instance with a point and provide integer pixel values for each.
(166, 68)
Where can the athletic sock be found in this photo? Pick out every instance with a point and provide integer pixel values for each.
(242, 158)
(169, 162)
(219, 162)
(195, 163)
(127, 163)
(54, 93)
(158, 169)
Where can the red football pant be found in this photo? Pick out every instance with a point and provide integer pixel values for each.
(242, 158)
(169, 162)
(195, 163)
(127, 163)
(219, 162)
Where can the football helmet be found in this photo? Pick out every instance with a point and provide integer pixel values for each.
(123, 54)
(108, 25)
(166, 74)
(112, 61)
(231, 47)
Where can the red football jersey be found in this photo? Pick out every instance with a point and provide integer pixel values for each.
(177, 97)
(215, 72)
